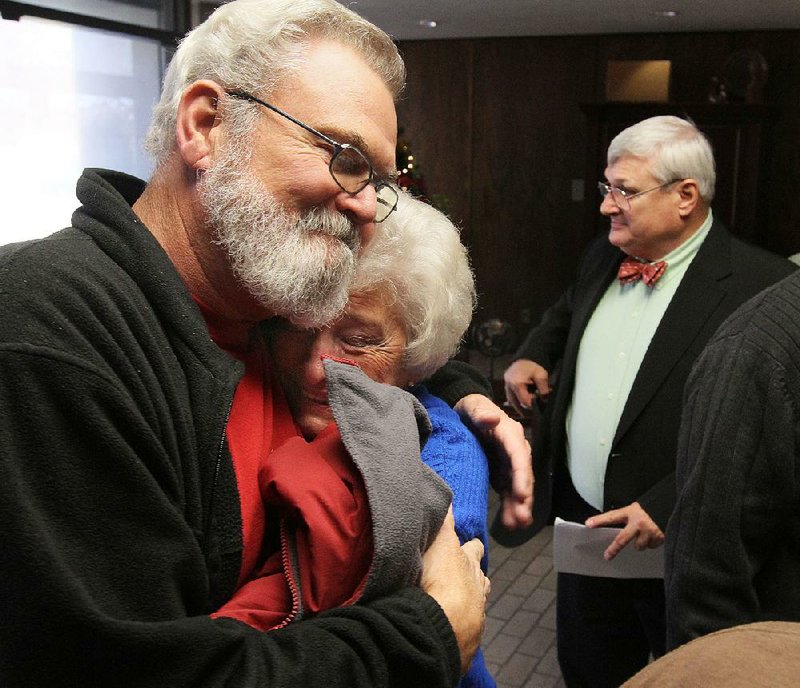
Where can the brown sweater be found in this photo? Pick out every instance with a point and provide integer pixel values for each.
(760, 654)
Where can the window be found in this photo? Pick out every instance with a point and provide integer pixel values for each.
(71, 97)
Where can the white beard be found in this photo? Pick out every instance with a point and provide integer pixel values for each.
(297, 265)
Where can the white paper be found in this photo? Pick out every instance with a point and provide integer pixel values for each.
(578, 549)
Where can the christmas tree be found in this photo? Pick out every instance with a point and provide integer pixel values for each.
(410, 176)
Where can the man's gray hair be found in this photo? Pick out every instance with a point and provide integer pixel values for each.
(417, 260)
(252, 45)
(678, 149)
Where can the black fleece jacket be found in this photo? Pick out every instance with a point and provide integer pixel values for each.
(119, 513)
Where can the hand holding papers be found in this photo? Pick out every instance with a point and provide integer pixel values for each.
(578, 549)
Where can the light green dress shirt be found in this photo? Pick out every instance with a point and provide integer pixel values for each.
(611, 351)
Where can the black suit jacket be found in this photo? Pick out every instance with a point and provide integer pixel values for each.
(641, 466)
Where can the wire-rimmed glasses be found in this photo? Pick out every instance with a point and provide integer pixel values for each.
(623, 197)
(350, 168)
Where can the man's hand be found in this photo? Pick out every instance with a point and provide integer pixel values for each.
(510, 465)
(518, 378)
(637, 524)
(452, 575)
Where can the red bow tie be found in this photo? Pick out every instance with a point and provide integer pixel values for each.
(631, 270)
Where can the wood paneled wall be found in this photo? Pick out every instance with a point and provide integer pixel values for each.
(497, 127)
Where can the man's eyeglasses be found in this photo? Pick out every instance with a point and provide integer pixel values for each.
(623, 198)
(349, 167)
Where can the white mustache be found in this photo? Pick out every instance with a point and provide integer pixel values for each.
(323, 221)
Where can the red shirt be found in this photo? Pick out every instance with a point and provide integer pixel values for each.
(311, 489)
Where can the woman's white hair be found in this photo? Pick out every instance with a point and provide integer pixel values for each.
(677, 148)
(418, 262)
(252, 45)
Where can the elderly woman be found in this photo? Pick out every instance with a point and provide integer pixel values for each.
(410, 304)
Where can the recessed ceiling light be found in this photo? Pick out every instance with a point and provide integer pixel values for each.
(428, 23)
(667, 13)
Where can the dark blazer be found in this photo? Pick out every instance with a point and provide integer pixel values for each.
(641, 465)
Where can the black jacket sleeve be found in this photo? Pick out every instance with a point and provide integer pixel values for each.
(545, 343)
(105, 581)
(455, 380)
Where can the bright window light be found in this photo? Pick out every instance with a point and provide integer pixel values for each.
(70, 98)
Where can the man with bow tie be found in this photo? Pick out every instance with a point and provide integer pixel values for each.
(623, 338)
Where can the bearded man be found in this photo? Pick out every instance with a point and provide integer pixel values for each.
(136, 400)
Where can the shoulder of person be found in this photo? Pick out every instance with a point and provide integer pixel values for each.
(768, 322)
(760, 261)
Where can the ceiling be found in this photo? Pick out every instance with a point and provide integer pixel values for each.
(488, 18)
